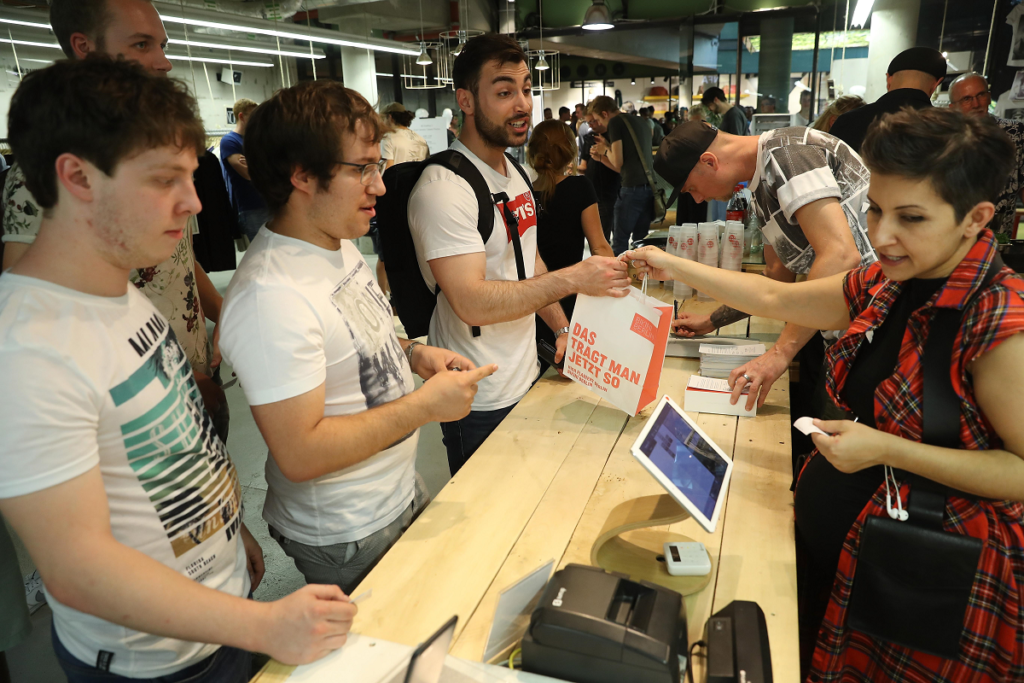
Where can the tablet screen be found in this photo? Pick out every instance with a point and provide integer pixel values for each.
(689, 462)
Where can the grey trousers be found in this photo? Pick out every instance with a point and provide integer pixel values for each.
(346, 564)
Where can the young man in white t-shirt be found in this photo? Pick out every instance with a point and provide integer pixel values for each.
(110, 469)
(483, 311)
(312, 339)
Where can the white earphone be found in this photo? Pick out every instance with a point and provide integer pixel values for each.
(894, 512)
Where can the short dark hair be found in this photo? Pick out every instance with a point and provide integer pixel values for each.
(967, 159)
(402, 118)
(711, 94)
(78, 16)
(302, 127)
(564, 110)
(479, 51)
(100, 109)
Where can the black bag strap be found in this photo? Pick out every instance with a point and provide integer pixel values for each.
(941, 404)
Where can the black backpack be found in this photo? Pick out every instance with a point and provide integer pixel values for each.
(412, 298)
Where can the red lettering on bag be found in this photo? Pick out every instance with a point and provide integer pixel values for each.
(644, 327)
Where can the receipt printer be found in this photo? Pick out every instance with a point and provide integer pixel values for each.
(594, 627)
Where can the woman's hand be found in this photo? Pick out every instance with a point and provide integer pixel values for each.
(650, 261)
(850, 446)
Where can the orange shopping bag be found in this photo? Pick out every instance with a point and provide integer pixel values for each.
(617, 347)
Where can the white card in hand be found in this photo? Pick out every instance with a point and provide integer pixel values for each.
(806, 425)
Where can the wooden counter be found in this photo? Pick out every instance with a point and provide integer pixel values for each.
(541, 487)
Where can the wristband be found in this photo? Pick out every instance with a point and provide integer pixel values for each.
(408, 351)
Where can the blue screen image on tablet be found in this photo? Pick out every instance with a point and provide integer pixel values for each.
(689, 462)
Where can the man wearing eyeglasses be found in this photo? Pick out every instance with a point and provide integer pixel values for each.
(312, 339)
(969, 95)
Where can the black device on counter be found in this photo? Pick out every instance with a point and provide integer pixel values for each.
(737, 645)
(547, 354)
(595, 627)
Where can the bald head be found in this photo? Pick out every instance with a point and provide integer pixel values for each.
(969, 94)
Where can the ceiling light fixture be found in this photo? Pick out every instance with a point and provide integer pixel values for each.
(542, 64)
(861, 14)
(18, 22)
(424, 59)
(598, 18)
(244, 48)
(211, 60)
(632, 82)
(317, 37)
(652, 80)
(29, 43)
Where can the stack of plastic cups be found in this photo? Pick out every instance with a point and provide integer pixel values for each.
(732, 246)
(707, 249)
(672, 247)
(687, 250)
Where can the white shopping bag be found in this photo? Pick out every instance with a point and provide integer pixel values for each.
(617, 347)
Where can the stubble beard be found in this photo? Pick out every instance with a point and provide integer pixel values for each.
(495, 134)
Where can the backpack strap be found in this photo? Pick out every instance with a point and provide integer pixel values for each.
(457, 163)
(941, 419)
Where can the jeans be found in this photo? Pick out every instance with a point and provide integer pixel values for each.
(606, 210)
(251, 221)
(463, 437)
(226, 665)
(634, 213)
(346, 564)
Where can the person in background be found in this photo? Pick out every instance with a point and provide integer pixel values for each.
(454, 126)
(733, 120)
(569, 208)
(565, 116)
(252, 210)
(634, 211)
(809, 194)
(111, 472)
(749, 113)
(935, 175)
(606, 182)
(312, 340)
(657, 132)
(399, 145)
(803, 117)
(178, 287)
(911, 79)
(484, 311)
(579, 115)
(767, 105)
(835, 110)
(547, 114)
(969, 95)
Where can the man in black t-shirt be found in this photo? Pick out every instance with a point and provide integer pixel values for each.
(733, 119)
(634, 210)
(605, 180)
(912, 77)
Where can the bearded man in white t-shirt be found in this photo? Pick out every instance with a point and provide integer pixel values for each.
(484, 311)
(110, 469)
(312, 339)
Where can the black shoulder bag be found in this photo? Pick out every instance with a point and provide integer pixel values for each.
(913, 580)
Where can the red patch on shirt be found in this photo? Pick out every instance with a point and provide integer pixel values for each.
(525, 210)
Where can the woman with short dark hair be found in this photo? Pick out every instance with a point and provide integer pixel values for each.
(937, 471)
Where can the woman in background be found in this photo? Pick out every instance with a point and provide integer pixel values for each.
(835, 110)
(568, 206)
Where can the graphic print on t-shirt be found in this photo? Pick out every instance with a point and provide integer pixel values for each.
(367, 315)
(523, 208)
(173, 449)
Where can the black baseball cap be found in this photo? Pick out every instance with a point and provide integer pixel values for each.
(681, 149)
(926, 59)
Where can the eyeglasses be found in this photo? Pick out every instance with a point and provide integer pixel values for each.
(366, 171)
(983, 96)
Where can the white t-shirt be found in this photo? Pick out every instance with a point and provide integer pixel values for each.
(95, 381)
(403, 144)
(443, 215)
(296, 316)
